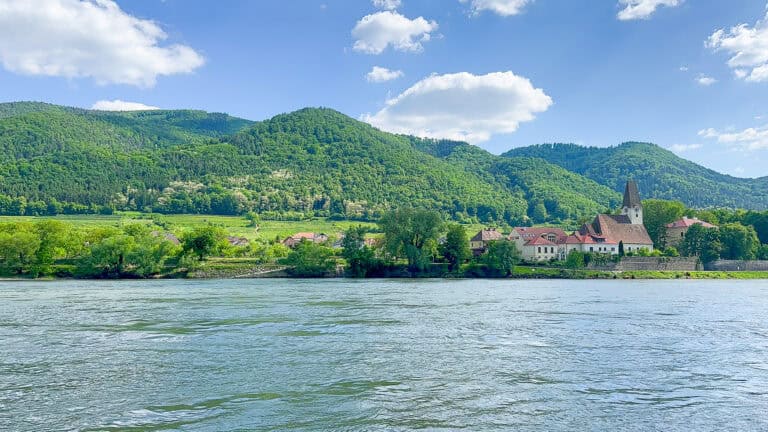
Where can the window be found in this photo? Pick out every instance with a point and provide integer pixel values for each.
(539, 249)
(613, 249)
(551, 237)
(591, 249)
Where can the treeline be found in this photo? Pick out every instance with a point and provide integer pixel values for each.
(407, 243)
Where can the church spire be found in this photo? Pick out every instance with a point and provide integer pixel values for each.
(633, 207)
(632, 195)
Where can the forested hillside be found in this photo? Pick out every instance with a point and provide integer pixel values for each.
(315, 162)
(660, 174)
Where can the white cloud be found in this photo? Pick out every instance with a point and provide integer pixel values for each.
(379, 74)
(374, 33)
(462, 106)
(682, 148)
(119, 105)
(683, 68)
(87, 38)
(748, 139)
(748, 47)
(643, 9)
(500, 7)
(387, 4)
(705, 80)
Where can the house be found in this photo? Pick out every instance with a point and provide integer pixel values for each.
(295, 239)
(167, 236)
(479, 242)
(608, 234)
(238, 241)
(539, 243)
(676, 230)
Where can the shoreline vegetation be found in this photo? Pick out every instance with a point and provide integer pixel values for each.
(405, 243)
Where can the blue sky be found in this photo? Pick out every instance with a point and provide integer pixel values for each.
(499, 73)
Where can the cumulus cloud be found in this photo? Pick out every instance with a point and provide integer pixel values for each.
(705, 80)
(387, 4)
(499, 7)
(375, 32)
(748, 47)
(643, 9)
(380, 74)
(119, 105)
(87, 38)
(749, 139)
(682, 148)
(462, 106)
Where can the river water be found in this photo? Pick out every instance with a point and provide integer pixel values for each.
(289, 355)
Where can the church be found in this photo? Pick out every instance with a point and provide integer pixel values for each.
(609, 234)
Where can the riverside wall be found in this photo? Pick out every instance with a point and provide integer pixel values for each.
(650, 264)
(729, 265)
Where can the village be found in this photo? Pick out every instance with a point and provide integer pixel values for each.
(608, 234)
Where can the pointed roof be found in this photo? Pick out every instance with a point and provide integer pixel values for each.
(631, 195)
(614, 231)
(487, 235)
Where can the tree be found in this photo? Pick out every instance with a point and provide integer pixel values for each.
(360, 258)
(309, 259)
(657, 214)
(55, 239)
(108, 257)
(621, 249)
(575, 260)
(18, 249)
(412, 233)
(738, 242)
(501, 257)
(539, 212)
(701, 242)
(455, 250)
(203, 241)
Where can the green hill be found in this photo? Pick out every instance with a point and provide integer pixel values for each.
(311, 162)
(660, 174)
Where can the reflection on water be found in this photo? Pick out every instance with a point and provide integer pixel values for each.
(384, 355)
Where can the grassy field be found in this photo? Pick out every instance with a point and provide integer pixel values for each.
(234, 225)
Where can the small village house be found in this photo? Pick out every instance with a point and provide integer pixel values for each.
(675, 231)
(539, 244)
(295, 239)
(479, 243)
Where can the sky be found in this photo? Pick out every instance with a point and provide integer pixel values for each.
(688, 75)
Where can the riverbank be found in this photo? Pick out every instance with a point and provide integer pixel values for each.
(520, 272)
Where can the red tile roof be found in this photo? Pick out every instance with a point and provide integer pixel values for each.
(614, 230)
(539, 241)
(686, 222)
(529, 233)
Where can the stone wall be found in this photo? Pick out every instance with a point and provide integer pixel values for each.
(726, 265)
(650, 264)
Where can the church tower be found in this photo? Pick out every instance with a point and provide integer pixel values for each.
(633, 207)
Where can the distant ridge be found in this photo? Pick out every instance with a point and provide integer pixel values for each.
(658, 172)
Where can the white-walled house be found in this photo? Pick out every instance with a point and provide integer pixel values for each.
(538, 243)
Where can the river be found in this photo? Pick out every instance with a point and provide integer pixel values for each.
(296, 355)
